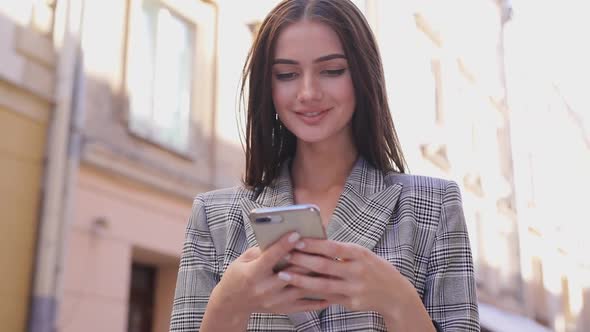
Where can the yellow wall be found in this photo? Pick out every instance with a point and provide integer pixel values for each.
(21, 151)
(27, 81)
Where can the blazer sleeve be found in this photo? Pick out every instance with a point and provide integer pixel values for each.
(197, 274)
(450, 291)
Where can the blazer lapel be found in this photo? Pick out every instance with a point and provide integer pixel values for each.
(308, 321)
(364, 208)
(280, 193)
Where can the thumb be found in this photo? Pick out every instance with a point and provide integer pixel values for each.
(277, 251)
(250, 254)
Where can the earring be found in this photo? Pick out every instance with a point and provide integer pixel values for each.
(282, 131)
(273, 133)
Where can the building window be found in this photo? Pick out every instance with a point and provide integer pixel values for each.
(160, 52)
(141, 298)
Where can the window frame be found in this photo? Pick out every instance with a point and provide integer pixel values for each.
(188, 150)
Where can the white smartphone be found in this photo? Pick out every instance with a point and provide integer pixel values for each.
(269, 224)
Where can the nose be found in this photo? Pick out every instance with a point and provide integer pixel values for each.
(309, 90)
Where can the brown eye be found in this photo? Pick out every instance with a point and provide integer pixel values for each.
(285, 76)
(334, 72)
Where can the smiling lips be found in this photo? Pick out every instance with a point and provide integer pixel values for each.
(312, 117)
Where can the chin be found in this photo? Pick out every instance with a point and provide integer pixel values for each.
(312, 138)
(321, 135)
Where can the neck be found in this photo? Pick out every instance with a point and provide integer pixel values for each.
(320, 167)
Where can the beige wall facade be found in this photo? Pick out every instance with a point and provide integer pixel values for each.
(132, 194)
(116, 223)
(26, 97)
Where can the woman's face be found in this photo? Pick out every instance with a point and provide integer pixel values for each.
(312, 88)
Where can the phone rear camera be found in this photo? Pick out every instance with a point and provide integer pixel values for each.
(263, 220)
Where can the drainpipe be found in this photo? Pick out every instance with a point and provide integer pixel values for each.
(510, 164)
(58, 175)
(213, 139)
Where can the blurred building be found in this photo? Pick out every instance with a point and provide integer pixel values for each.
(120, 112)
(490, 94)
(115, 114)
(27, 90)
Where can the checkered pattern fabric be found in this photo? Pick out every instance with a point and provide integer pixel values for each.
(414, 222)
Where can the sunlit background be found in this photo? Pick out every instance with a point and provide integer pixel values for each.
(114, 114)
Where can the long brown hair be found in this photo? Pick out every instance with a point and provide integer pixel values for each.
(268, 143)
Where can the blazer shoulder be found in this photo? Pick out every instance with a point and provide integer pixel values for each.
(224, 196)
(217, 204)
(425, 188)
(212, 208)
(427, 197)
(420, 182)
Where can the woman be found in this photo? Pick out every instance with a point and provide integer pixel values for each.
(319, 131)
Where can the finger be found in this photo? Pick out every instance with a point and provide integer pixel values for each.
(283, 296)
(277, 251)
(319, 264)
(250, 254)
(304, 305)
(297, 269)
(269, 285)
(290, 299)
(336, 298)
(296, 293)
(331, 248)
(316, 284)
(310, 305)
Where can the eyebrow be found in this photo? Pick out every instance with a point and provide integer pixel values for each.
(320, 59)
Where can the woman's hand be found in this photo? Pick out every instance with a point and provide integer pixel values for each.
(358, 279)
(250, 284)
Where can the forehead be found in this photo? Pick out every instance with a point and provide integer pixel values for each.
(305, 39)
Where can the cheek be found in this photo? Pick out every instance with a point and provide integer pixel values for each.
(344, 93)
(280, 96)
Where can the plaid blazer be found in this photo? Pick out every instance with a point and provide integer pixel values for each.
(414, 222)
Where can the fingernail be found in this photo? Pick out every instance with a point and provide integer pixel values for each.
(284, 276)
(300, 245)
(294, 237)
